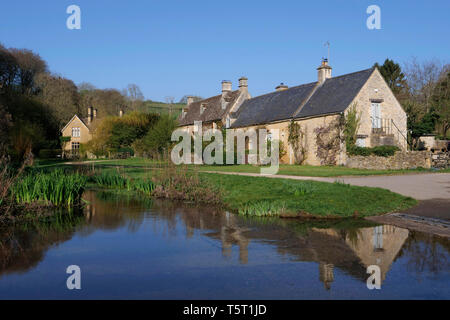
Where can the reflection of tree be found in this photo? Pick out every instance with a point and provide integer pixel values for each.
(427, 253)
(22, 247)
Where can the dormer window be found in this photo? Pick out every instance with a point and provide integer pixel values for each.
(227, 122)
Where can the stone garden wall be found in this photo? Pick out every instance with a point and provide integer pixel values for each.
(401, 160)
(440, 160)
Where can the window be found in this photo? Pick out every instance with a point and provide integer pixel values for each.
(378, 238)
(360, 142)
(75, 146)
(376, 115)
(76, 133)
(228, 123)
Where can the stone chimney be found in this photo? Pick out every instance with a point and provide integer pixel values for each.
(190, 99)
(324, 71)
(89, 117)
(243, 84)
(226, 87)
(183, 112)
(281, 87)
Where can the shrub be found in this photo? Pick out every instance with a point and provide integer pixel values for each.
(158, 138)
(381, 151)
(49, 153)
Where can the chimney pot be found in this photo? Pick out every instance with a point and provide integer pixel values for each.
(281, 87)
(89, 118)
(226, 86)
(324, 71)
(243, 83)
(190, 99)
(95, 113)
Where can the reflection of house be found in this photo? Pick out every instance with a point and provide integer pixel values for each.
(351, 251)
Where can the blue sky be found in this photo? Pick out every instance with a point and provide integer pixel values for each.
(173, 48)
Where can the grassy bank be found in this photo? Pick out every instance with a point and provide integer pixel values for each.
(259, 195)
(255, 196)
(293, 170)
(267, 196)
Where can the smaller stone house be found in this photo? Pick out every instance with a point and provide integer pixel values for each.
(79, 130)
(215, 112)
(319, 105)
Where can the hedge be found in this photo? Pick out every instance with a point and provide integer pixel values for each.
(381, 151)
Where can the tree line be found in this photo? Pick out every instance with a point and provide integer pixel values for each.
(423, 89)
(36, 103)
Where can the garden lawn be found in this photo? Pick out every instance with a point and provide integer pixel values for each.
(285, 169)
(317, 198)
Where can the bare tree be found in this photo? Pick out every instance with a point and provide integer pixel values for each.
(30, 65)
(422, 78)
(86, 86)
(170, 102)
(60, 95)
(133, 94)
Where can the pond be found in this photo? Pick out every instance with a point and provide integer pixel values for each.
(129, 248)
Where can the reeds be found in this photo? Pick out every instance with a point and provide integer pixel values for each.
(263, 208)
(110, 179)
(53, 188)
(115, 180)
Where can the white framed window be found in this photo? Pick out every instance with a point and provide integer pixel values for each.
(360, 142)
(376, 115)
(76, 132)
(227, 122)
(75, 146)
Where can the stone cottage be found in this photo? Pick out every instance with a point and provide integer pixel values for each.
(214, 112)
(318, 108)
(80, 130)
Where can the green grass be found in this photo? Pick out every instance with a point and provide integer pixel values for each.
(251, 195)
(313, 171)
(293, 170)
(258, 196)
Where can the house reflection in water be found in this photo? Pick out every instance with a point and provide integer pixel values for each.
(378, 245)
(352, 250)
(349, 249)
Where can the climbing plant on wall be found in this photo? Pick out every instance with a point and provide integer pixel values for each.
(351, 126)
(297, 141)
(328, 140)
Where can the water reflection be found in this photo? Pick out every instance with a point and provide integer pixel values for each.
(347, 246)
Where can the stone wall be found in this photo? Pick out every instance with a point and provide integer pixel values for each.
(401, 160)
(440, 160)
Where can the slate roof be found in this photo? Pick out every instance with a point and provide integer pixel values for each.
(213, 109)
(333, 96)
(273, 106)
